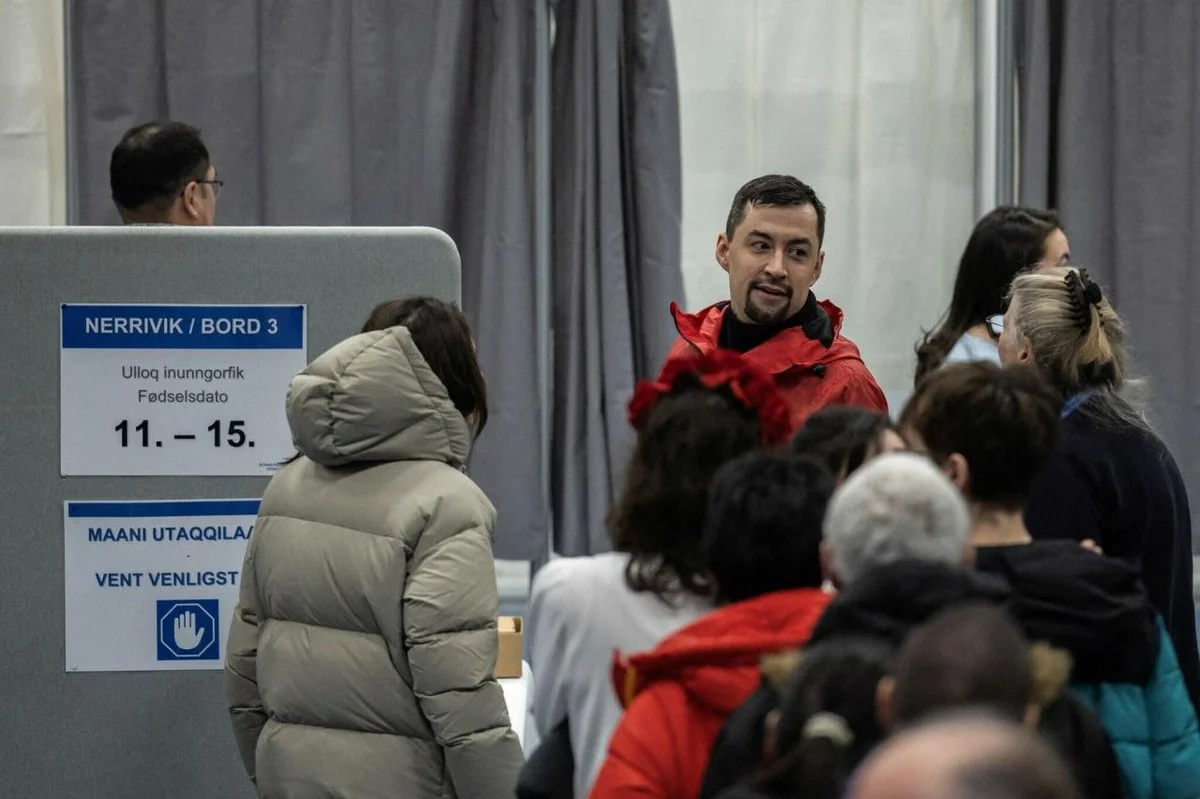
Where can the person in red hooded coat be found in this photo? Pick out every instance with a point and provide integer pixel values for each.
(771, 249)
(761, 537)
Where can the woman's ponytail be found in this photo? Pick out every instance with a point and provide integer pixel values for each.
(1077, 341)
(827, 719)
(816, 768)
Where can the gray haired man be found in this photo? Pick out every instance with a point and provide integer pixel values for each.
(897, 507)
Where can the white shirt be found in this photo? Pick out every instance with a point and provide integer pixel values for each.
(580, 612)
(970, 348)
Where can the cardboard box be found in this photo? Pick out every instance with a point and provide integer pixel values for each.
(508, 662)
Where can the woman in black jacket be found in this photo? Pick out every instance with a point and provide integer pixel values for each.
(1111, 479)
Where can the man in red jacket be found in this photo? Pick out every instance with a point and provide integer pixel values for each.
(762, 534)
(771, 249)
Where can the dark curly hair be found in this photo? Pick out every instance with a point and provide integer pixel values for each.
(659, 518)
(762, 530)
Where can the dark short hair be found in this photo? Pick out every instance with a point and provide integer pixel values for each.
(443, 335)
(762, 530)
(843, 436)
(1004, 243)
(153, 162)
(1003, 420)
(970, 655)
(658, 519)
(774, 191)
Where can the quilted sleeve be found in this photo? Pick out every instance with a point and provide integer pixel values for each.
(449, 606)
(241, 675)
(1174, 736)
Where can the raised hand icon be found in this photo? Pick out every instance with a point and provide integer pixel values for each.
(187, 634)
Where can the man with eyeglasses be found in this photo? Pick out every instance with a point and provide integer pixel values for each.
(160, 174)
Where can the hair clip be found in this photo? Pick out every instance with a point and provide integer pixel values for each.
(1084, 293)
(831, 727)
(723, 368)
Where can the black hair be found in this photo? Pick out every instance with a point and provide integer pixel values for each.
(762, 529)
(443, 335)
(774, 191)
(1005, 242)
(1003, 421)
(838, 676)
(153, 162)
(658, 519)
(970, 655)
(843, 436)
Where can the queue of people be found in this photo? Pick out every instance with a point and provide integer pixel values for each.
(989, 596)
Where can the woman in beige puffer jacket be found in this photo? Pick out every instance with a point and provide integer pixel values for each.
(361, 656)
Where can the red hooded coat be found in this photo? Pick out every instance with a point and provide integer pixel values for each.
(678, 696)
(809, 375)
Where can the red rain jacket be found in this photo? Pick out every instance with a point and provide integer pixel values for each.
(678, 696)
(809, 376)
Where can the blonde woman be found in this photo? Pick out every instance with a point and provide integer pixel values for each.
(1111, 479)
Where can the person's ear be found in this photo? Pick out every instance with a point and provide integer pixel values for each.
(723, 251)
(827, 572)
(1033, 716)
(191, 200)
(959, 472)
(1024, 353)
(770, 749)
(820, 265)
(885, 691)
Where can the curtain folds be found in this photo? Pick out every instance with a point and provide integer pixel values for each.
(617, 204)
(32, 153)
(1110, 119)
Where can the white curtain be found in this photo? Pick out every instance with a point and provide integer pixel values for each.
(869, 101)
(32, 130)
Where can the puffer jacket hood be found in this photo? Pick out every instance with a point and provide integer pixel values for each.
(890, 600)
(373, 397)
(1092, 606)
(715, 659)
(678, 695)
(1125, 668)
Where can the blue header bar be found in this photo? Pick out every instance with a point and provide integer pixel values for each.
(183, 327)
(162, 510)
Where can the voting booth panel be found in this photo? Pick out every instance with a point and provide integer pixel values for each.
(146, 371)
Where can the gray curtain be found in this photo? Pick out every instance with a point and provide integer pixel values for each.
(616, 242)
(372, 112)
(1110, 135)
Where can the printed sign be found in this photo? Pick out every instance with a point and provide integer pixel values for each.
(188, 630)
(177, 389)
(152, 585)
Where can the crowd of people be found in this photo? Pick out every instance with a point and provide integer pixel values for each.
(989, 596)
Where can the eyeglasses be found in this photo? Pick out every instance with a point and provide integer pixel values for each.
(216, 186)
(995, 325)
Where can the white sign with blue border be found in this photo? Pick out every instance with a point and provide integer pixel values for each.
(152, 586)
(177, 389)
